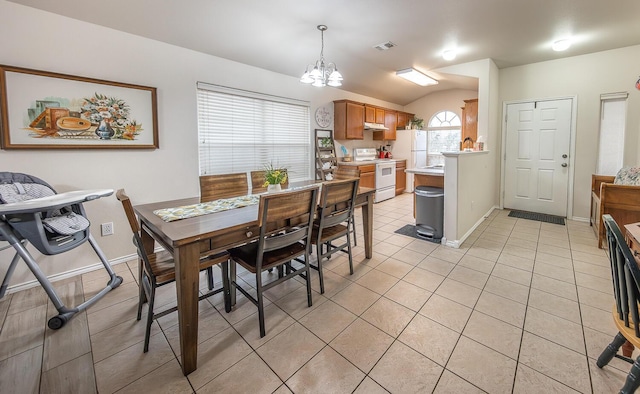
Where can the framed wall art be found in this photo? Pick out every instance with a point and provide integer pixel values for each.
(44, 110)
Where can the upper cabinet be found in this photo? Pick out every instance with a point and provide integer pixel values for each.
(349, 120)
(369, 114)
(350, 116)
(373, 114)
(390, 121)
(470, 120)
(402, 119)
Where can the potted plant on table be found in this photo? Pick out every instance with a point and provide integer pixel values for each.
(274, 177)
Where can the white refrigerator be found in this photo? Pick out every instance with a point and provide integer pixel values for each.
(411, 145)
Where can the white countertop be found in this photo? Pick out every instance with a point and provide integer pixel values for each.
(426, 171)
(364, 163)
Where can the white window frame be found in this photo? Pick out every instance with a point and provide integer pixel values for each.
(242, 131)
(613, 115)
(441, 124)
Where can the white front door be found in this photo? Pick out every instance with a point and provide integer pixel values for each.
(537, 156)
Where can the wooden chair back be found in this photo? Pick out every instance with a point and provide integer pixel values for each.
(257, 182)
(336, 202)
(292, 213)
(128, 210)
(215, 187)
(346, 172)
(626, 281)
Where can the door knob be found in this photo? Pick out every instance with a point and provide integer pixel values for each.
(564, 156)
(564, 164)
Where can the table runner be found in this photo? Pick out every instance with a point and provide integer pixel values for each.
(205, 208)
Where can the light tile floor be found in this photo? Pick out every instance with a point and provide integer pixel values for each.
(521, 307)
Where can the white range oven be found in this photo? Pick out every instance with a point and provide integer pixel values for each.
(385, 172)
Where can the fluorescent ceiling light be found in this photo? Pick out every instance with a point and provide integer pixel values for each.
(449, 54)
(561, 45)
(416, 77)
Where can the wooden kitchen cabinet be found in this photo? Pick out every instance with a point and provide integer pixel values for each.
(469, 120)
(402, 119)
(401, 177)
(367, 174)
(390, 121)
(369, 114)
(349, 120)
(380, 115)
(373, 114)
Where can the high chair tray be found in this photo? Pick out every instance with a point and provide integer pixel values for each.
(54, 202)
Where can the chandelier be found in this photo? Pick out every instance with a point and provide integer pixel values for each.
(322, 74)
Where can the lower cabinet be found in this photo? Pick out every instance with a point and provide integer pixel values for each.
(368, 175)
(401, 177)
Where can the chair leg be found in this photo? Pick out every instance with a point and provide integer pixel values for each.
(350, 254)
(353, 229)
(260, 303)
(610, 351)
(633, 379)
(210, 278)
(319, 252)
(147, 332)
(226, 286)
(232, 282)
(308, 279)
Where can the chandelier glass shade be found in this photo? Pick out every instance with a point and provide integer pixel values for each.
(321, 73)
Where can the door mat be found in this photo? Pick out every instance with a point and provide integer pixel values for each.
(410, 231)
(541, 217)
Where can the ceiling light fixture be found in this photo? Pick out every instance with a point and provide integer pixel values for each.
(415, 76)
(449, 54)
(320, 74)
(561, 45)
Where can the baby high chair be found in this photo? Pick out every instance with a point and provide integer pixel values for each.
(31, 211)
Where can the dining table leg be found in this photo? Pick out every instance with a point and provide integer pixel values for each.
(367, 225)
(186, 259)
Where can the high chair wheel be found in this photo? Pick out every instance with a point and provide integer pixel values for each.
(57, 322)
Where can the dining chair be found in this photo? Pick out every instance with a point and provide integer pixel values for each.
(335, 212)
(285, 220)
(257, 182)
(215, 187)
(158, 269)
(626, 290)
(347, 172)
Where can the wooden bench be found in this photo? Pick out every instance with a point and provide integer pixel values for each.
(618, 200)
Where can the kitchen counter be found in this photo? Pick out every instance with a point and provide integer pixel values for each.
(365, 162)
(426, 171)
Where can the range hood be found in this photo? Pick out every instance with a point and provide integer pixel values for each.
(374, 126)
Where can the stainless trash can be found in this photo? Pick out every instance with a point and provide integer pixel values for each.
(429, 212)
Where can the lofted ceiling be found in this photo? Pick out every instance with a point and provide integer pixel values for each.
(281, 35)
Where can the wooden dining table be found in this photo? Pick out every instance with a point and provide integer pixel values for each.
(187, 239)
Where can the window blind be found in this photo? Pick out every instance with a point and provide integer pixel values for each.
(241, 131)
(613, 113)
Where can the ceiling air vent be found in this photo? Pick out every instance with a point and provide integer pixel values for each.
(384, 46)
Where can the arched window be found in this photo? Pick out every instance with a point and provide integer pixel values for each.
(443, 135)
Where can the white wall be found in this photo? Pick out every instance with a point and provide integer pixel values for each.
(586, 77)
(44, 41)
(446, 100)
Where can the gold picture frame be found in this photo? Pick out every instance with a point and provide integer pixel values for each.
(46, 110)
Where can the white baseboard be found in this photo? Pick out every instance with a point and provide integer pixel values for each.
(580, 219)
(456, 243)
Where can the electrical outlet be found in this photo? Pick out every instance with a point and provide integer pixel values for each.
(106, 228)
